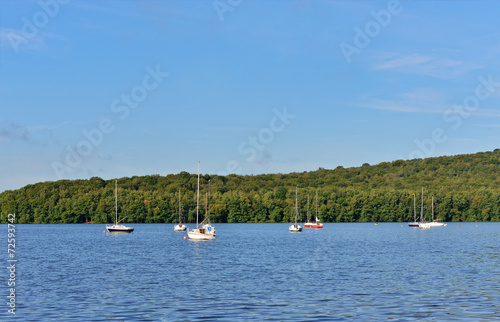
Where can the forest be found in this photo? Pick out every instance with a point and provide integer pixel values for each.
(463, 187)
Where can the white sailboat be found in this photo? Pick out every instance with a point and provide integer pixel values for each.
(206, 231)
(435, 222)
(422, 224)
(180, 226)
(318, 224)
(308, 224)
(414, 224)
(295, 228)
(118, 228)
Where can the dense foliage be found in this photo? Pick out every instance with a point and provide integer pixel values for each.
(464, 187)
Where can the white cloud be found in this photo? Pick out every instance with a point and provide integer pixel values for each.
(18, 40)
(404, 107)
(418, 64)
(419, 100)
(487, 125)
(424, 101)
(407, 61)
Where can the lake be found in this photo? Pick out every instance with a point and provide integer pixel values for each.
(250, 272)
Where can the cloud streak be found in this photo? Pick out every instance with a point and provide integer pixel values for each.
(418, 64)
(402, 106)
(38, 135)
(12, 131)
(407, 61)
(17, 40)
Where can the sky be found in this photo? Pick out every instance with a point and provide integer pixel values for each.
(130, 88)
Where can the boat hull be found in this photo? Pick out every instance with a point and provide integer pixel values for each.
(205, 233)
(413, 224)
(120, 229)
(423, 225)
(437, 224)
(180, 227)
(309, 225)
(295, 228)
(196, 236)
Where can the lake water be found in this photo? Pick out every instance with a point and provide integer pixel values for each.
(255, 272)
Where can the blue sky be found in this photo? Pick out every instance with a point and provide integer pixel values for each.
(124, 88)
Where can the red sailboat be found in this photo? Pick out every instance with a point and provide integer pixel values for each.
(318, 223)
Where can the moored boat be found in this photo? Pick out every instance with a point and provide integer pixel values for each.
(316, 224)
(118, 228)
(295, 228)
(435, 222)
(422, 224)
(206, 231)
(180, 226)
(308, 224)
(414, 224)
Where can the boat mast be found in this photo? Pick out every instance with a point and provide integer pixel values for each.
(296, 209)
(308, 216)
(422, 208)
(316, 204)
(116, 203)
(198, 195)
(208, 202)
(432, 208)
(179, 206)
(414, 208)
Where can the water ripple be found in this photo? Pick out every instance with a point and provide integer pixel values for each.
(251, 272)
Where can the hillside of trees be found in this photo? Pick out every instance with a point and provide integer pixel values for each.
(464, 187)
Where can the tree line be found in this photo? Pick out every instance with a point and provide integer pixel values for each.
(464, 188)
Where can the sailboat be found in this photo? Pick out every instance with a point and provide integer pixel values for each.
(435, 222)
(308, 224)
(180, 226)
(118, 228)
(422, 224)
(295, 228)
(318, 223)
(414, 224)
(206, 231)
